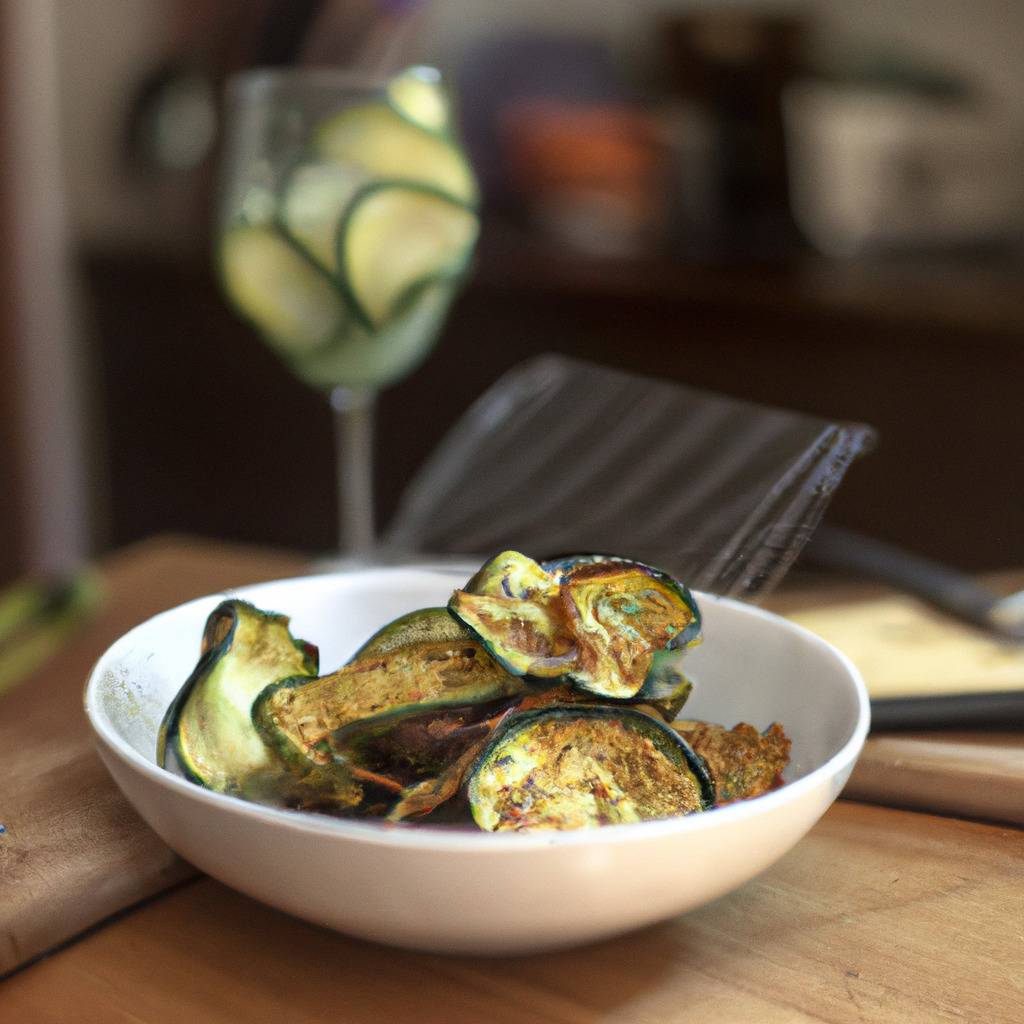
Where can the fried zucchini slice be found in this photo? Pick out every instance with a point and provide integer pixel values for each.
(425, 624)
(514, 607)
(743, 762)
(585, 766)
(426, 753)
(621, 614)
(208, 735)
(596, 620)
(298, 716)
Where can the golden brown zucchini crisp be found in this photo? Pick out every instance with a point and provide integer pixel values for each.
(743, 762)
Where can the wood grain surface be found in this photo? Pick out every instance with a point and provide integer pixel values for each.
(878, 916)
(73, 850)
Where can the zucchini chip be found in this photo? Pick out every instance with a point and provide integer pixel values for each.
(621, 614)
(597, 621)
(743, 762)
(208, 734)
(582, 767)
(299, 716)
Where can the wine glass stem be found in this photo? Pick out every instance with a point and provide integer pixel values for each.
(353, 446)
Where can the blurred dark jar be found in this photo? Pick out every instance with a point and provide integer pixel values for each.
(735, 66)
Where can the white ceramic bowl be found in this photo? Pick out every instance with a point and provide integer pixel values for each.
(476, 892)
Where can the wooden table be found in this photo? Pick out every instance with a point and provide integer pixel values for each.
(878, 915)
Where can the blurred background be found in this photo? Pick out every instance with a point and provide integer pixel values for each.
(816, 205)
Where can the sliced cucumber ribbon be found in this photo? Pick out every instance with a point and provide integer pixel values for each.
(295, 305)
(348, 267)
(385, 145)
(395, 238)
(418, 95)
(313, 201)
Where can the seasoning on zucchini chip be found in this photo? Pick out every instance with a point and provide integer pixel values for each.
(584, 766)
(596, 620)
(514, 607)
(743, 762)
(299, 716)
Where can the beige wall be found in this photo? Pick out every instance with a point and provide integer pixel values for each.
(105, 48)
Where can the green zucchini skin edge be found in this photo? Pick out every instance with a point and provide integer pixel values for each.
(169, 752)
(657, 693)
(521, 720)
(277, 225)
(272, 736)
(451, 273)
(423, 624)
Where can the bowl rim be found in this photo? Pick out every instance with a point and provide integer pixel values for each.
(437, 839)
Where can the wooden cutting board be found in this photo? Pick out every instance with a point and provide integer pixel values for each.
(73, 851)
(906, 650)
(969, 775)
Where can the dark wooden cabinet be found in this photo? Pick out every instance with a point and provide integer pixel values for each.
(206, 432)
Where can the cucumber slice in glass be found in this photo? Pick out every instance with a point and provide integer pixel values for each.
(313, 200)
(363, 358)
(285, 296)
(384, 144)
(397, 236)
(419, 96)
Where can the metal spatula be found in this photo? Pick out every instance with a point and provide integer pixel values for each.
(565, 456)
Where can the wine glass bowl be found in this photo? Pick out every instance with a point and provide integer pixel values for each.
(346, 224)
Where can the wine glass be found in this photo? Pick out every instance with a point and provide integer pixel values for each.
(347, 222)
